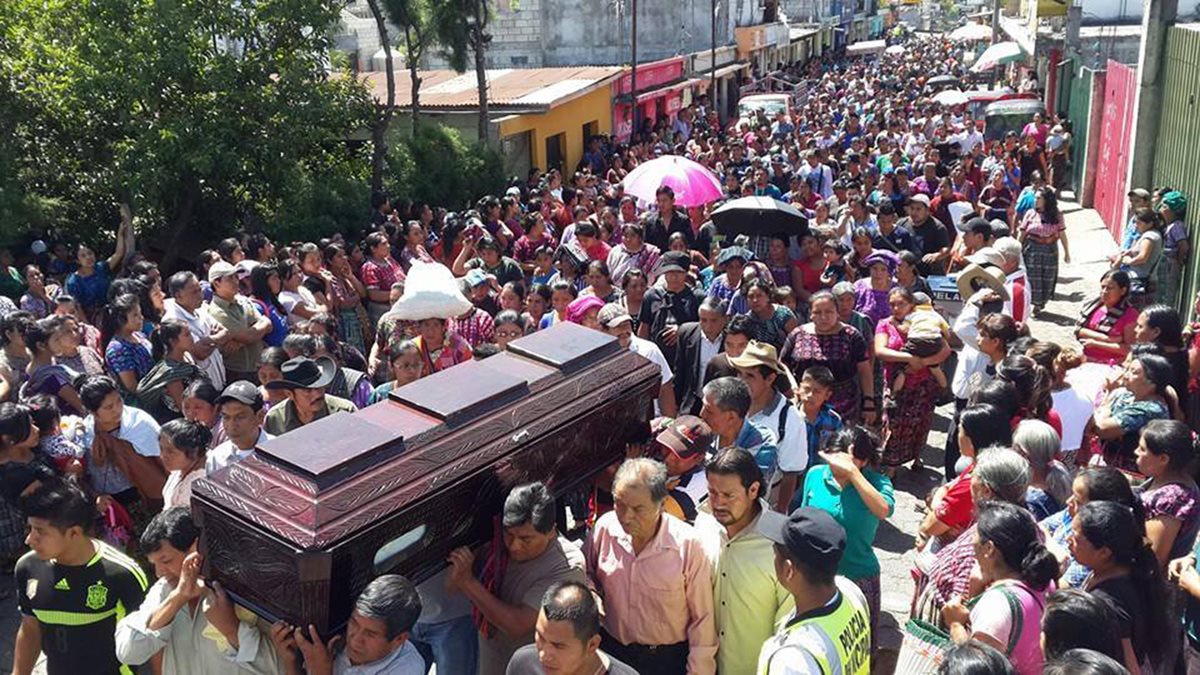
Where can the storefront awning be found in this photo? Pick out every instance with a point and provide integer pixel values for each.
(868, 47)
(732, 69)
(667, 90)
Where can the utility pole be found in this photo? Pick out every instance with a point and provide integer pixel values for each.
(633, 109)
(995, 39)
(712, 58)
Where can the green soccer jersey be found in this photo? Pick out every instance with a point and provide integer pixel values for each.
(78, 608)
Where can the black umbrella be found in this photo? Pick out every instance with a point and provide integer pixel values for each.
(759, 215)
(941, 81)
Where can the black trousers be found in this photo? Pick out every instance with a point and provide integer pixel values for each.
(648, 659)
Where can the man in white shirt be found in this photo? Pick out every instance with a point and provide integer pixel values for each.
(818, 175)
(183, 304)
(759, 368)
(242, 412)
(1005, 253)
(969, 137)
(181, 611)
(615, 321)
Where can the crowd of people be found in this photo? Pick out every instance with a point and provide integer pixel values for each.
(799, 373)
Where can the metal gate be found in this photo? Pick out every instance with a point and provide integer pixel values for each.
(1079, 111)
(1112, 162)
(1178, 142)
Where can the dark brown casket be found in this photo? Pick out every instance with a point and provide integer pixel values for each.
(297, 529)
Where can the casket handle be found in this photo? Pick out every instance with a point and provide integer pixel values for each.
(520, 436)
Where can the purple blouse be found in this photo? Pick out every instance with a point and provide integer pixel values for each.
(871, 302)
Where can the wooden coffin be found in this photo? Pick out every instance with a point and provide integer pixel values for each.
(297, 529)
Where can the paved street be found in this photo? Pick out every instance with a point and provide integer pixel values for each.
(1090, 244)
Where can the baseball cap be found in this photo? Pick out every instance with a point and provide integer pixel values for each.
(220, 270)
(1139, 192)
(978, 225)
(242, 392)
(919, 199)
(810, 536)
(686, 436)
(733, 253)
(476, 277)
(613, 315)
(987, 256)
(674, 261)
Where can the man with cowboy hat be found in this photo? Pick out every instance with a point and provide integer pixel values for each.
(771, 385)
(304, 381)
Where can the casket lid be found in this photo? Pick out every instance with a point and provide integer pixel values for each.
(324, 480)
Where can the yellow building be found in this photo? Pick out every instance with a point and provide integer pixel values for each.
(542, 117)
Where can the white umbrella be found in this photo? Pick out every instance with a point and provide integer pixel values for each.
(998, 54)
(972, 32)
(951, 97)
(894, 50)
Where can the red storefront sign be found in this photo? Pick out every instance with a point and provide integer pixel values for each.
(651, 75)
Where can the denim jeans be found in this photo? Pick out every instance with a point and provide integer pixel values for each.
(453, 645)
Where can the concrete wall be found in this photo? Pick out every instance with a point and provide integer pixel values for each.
(665, 28)
(546, 33)
(1103, 11)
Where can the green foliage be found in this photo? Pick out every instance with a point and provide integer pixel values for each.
(437, 165)
(202, 114)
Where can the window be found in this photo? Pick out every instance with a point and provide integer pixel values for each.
(556, 151)
(589, 130)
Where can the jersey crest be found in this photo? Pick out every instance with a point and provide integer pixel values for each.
(97, 596)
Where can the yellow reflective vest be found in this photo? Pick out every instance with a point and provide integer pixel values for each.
(835, 638)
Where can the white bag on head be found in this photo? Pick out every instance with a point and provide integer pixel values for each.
(430, 292)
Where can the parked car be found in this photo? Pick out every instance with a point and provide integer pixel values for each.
(770, 104)
(1002, 117)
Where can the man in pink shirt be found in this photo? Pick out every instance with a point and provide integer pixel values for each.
(651, 571)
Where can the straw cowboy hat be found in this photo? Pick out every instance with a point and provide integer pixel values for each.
(978, 277)
(763, 354)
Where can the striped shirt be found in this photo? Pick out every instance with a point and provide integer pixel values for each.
(78, 608)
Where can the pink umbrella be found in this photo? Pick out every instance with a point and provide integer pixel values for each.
(693, 183)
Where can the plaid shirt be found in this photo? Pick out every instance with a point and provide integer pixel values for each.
(476, 328)
(453, 351)
(827, 423)
(381, 276)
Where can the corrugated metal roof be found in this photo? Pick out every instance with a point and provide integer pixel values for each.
(516, 89)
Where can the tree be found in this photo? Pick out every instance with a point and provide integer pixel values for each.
(383, 114)
(462, 27)
(413, 18)
(202, 114)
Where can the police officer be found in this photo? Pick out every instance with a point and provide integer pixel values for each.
(831, 629)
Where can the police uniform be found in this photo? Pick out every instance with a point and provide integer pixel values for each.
(78, 608)
(835, 638)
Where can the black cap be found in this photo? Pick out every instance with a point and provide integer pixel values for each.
(810, 536)
(978, 225)
(674, 261)
(242, 392)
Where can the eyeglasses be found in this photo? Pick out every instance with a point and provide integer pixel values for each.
(508, 334)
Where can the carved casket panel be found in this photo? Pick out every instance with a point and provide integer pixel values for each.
(297, 529)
